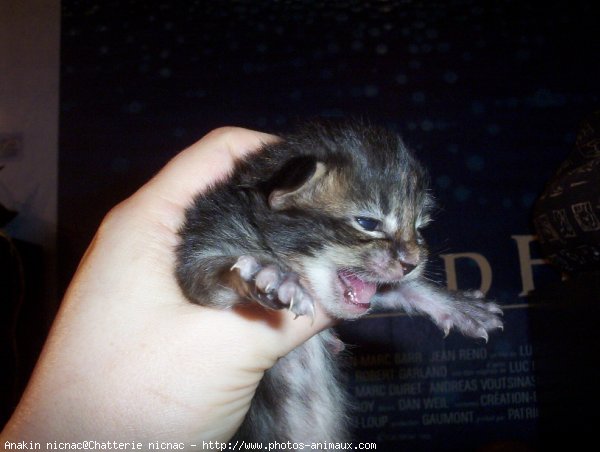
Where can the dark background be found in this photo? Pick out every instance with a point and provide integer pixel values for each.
(489, 95)
(486, 92)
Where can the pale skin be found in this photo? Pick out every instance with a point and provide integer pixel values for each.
(128, 357)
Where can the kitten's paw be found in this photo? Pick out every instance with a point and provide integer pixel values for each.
(273, 288)
(293, 295)
(472, 316)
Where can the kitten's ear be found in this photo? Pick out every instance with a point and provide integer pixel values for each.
(297, 182)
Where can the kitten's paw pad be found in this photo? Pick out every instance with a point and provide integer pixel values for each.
(268, 279)
(247, 266)
(293, 295)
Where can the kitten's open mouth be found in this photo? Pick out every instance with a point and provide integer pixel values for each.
(357, 292)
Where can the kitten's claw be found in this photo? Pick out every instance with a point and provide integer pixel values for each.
(291, 307)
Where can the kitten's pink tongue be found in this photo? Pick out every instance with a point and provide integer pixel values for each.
(357, 291)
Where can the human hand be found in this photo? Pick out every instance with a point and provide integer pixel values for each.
(128, 357)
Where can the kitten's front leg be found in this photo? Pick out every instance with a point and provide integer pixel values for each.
(225, 281)
(465, 311)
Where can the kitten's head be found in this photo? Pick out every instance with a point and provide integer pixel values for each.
(361, 199)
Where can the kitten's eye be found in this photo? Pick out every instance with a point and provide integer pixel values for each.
(368, 224)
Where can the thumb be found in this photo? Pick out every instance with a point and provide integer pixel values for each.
(205, 163)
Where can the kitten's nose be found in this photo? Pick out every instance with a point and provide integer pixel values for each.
(408, 257)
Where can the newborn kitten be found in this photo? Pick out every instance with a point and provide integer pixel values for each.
(329, 215)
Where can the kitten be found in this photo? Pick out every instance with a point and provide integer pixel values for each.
(329, 215)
